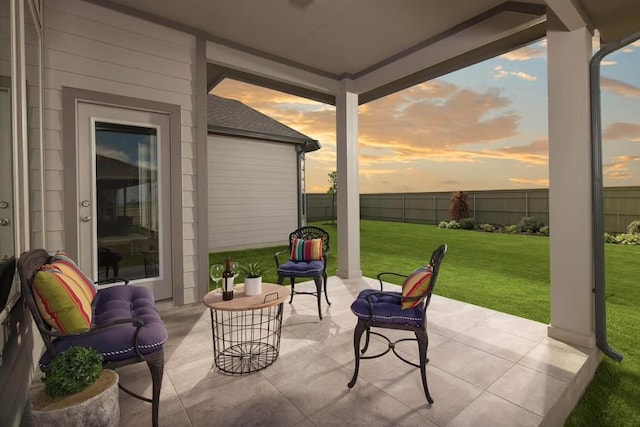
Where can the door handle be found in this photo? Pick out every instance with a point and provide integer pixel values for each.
(86, 218)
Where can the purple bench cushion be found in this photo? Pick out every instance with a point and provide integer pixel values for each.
(301, 268)
(386, 308)
(117, 342)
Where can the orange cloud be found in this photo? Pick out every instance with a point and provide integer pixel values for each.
(622, 130)
(435, 121)
(526, 53)
(619, 88)
(618, 168)
(449, 117)
(537, 182)
(500, 72)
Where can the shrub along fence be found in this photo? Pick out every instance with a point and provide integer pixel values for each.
(621, 206)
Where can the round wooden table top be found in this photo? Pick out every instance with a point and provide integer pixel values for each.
(271, 295)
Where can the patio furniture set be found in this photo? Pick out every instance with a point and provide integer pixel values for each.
(122, 322)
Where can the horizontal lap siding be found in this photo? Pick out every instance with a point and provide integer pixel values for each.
(252, 193)
(5, 40)
(98, 49)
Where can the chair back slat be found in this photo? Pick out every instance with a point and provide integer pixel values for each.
(436, 259)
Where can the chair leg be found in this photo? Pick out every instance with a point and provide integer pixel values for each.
(293, 284)
(366, 341)
(357, 334)
(422, 349)
(326, 296)
(155, 361)
(318, 281)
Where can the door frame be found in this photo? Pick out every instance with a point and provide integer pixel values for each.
(70, 99)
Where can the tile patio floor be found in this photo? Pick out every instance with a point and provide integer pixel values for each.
(486, 369)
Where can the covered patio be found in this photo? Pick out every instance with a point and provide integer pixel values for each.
(486, 369)
(152, 63)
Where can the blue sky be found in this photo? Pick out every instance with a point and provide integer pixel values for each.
(483, 127)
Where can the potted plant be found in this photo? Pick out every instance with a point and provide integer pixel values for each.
(252, 273)
(77, 391)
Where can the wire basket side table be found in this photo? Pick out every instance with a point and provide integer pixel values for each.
(246, 330)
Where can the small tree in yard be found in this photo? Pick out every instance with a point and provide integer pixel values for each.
(332, 191)
(459, 207)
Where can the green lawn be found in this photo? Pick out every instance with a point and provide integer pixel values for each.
(508, 273)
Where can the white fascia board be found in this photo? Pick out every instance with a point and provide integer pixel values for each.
(485, 32)
(273, 70)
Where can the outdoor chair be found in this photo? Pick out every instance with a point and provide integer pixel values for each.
(148, 247)
(404, 310)
(308, 252)
(121, 321)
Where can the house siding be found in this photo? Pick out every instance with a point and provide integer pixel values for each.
(253, 193)
(102, 50)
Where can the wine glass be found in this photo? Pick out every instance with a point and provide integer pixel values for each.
(235, 267)
(215, 272)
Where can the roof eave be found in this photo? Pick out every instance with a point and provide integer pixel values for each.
(308, 144)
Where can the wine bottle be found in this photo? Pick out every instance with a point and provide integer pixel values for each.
(227, 281)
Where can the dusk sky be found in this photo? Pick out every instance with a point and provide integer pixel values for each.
(480, 128)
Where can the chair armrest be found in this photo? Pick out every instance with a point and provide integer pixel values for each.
(138, 323)
(390, 274)
(277, 254)
(110, 280)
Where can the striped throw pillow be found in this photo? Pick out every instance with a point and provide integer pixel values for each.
(70, 268)
(306, 250)
(63, 302)
(416, 284)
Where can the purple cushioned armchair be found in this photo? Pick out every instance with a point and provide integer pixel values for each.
(126, 326)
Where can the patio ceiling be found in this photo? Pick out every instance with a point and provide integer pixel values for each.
(384, 45)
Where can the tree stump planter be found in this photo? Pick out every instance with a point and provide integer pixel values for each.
(97, 405)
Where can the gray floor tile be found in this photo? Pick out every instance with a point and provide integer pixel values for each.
(471, 376)
(496, 342)
(470, 364)
(528, 388)
(489, 410)
(556, 359)
(254, 401)
(317, 382)
(368, 406)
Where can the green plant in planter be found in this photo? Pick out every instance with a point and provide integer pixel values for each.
(252, 269)
(72, 371)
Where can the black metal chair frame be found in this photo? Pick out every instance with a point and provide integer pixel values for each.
(420, 331)
(28, 265)
(307, 233)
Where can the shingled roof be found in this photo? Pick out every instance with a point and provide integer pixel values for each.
(233, 118)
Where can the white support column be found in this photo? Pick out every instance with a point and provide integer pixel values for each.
(348, 182)
(570, 205)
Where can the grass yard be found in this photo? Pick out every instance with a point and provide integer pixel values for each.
(508, 273)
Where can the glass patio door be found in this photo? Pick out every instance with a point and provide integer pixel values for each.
(124, 225)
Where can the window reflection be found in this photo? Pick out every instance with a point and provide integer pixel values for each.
(127, 201)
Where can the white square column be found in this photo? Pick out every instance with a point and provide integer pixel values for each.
(570, 204)
(348, 182)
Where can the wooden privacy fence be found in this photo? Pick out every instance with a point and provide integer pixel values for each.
(621, 206)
